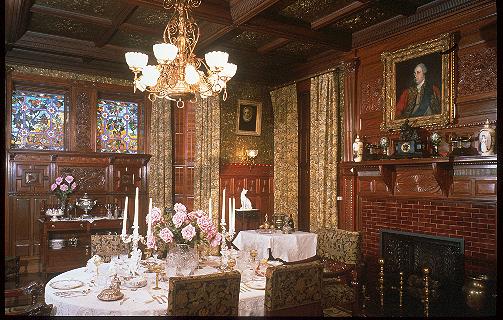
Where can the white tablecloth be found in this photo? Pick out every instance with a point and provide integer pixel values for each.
(288, 247)
(251, 302)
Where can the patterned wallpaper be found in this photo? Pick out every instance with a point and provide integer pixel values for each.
(232, 145)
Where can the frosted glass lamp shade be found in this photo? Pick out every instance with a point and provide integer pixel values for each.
(229, 70)
(165, 52)
(150, 75)
(191, 74)
(216, 60)
(136, 60)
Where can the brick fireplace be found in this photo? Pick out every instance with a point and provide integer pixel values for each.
(473, 222)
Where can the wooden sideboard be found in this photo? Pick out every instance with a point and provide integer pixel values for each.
(71, 256)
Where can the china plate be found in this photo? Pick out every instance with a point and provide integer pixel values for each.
(256, 284)
(274, 263)
(66, 284)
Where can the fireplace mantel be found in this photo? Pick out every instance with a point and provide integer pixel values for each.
(443, 177)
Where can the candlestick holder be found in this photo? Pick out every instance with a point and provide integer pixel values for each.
(136, 254)
(225, 250)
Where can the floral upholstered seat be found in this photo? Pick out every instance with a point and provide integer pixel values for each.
(294, 290)
(34, 290)
(340, 251)
(107, 245)
(204, 295)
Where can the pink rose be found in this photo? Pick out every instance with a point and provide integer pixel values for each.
(156, 216)
(63, 187)
(179, 218)
(166, 235)
(188, 232)
(53, 186)
(69, 179)
(205, 224)
(74, 185)
(151, 242)
(178, 207)
(59, 180)
(216, 240)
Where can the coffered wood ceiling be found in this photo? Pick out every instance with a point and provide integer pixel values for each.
(267, 39)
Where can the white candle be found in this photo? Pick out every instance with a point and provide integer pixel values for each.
(135, 221)
(230, 218)
(149, 229)
(210, 215)
(124, 219)
(133, 178)
(233, 214)
(223, 208)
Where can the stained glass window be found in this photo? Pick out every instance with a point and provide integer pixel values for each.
(37, 120)
(117, 126)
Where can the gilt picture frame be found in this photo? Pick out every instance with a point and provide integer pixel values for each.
(249, 118)
(419, 84)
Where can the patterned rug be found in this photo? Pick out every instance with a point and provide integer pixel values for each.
(335, 312)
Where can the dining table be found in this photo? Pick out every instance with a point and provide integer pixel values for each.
(75, 293)
(289, 247)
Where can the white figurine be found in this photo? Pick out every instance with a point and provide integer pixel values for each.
(134, 262)
(245, 202)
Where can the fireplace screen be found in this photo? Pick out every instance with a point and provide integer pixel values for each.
(411, 252)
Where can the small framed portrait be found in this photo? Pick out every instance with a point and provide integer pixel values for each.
(249, 115)
(418, 84)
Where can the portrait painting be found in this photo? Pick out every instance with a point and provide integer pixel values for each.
(418, 84)
(249, 116)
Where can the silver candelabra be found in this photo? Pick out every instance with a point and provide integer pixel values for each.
(134, 260)
(226, 236)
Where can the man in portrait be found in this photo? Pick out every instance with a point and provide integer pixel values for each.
(248, 118)
(422, 98)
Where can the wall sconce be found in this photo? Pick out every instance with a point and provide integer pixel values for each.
(250, 155)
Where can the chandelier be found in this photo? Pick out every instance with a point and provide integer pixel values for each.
(177, 75)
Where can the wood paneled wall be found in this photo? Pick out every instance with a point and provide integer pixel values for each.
(370, 194)
(257, 179)
(106, 177)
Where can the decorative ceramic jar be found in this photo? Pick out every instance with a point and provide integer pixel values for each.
(487, 136)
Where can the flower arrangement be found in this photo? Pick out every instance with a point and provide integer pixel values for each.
(64, 186)
(179, 227)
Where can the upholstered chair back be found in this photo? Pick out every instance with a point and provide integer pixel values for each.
(204, 295)
(107, 246)
(294, 290)
(340, 245)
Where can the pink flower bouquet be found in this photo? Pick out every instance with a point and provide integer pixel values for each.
(179, 227)
(63, 186)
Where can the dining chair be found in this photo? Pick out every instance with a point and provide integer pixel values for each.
(12, 268)
(17, 304)
(107, 245)
(294, 290)
(204, 295)
(341, 255)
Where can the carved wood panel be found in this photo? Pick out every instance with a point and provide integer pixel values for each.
(372, 99)
(415, 181)
(31, 178)
(83, 122)
(89, 179)
(477, 71)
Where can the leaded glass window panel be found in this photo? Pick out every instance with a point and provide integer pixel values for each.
(38, 120)
(117, 126)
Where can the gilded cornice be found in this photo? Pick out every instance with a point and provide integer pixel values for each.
(67, 75)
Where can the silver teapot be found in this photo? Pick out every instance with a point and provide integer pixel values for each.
(85, 203)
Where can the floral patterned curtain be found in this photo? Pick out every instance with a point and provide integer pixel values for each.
(160, 171)
(324, 145)
(284, 103)
(207, 155)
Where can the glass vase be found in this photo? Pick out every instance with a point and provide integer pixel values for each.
(186, 259)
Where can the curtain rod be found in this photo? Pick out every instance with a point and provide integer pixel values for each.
(308, 77)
